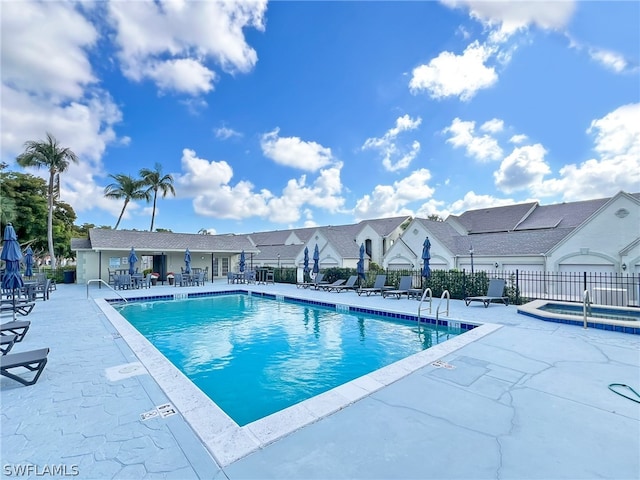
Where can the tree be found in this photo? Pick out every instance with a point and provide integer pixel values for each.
(435, 217)
(50, 155)
(155, 180)
(125, 187)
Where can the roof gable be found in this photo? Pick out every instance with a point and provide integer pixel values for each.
(496, 219)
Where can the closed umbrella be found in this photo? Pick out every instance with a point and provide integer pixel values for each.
(426, 256)
(242, 262)
(316, 261)
(12, 255)
(132, 261)
(360, 266)
(305, 269)
(28, 262)
(187, 261)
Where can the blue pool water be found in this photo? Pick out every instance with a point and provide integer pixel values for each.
(254, 356)
(595, 312)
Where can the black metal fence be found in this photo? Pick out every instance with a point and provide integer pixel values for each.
(619, 289)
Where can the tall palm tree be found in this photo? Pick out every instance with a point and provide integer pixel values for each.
(125, 187)
(50, 155)
(155, 180)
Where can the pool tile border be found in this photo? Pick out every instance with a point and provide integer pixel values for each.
(226, 441)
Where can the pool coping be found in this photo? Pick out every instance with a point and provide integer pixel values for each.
(532, 309)
(224, 438)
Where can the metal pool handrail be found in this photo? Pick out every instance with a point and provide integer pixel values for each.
(586, 306)
(444, 294)
(99, 280)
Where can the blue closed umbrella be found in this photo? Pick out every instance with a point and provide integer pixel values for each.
(132, 261)
(360, 266)
(305, 269)
(242, 261)
(187, 261)
(12, 255)
(316, 261)
(28, 262)
(426, 256)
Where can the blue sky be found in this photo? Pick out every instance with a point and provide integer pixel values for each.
(290, 114)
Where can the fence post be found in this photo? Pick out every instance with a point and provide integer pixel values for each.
(517, 287)
(584, 282)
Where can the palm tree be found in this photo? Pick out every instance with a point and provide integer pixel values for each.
(156, 181)
(125, 187)
(50, 155)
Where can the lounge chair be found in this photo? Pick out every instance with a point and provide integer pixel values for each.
(21, 306)
(7, 342)
(327, 287)
(17, 327)
(494, 292)
(350, 285)
(403, 288)
(312, 283)
(378, 286)
(33, 361)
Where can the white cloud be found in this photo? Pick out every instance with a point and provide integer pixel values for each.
(177, 38)
(209, 183)
(519, 138)
(473, 201)
(294, 152)
(450, 75)
(395, 157)
(225, 133)
(392, 200)
(610, 60)
(522, 169)
(483, 148)
(44, 49)
(617, 167)
(506, 18)
(492, 126)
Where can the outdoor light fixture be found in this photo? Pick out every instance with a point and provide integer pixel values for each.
(497, 265)
(278, 260)
(471, 254)
(624, 266)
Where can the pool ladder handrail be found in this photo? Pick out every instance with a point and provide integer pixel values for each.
(586, 307)
(99, 280)
(448, 296)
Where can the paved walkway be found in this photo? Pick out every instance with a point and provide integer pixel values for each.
(529, 400)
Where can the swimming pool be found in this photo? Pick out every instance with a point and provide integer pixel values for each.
(254, 356)
(620, 319)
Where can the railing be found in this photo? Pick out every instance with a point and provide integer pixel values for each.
(586, 307)
(445, 294)
(424, 294)
(99, 280)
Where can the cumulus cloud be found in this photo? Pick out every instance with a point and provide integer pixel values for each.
(522, 169)
(506, 18)
(395, 157)
(48, 86)
(392, 200)
(170, 42)
(616, 167)
(483, 148)
(518, 138)
(209, 183)
(451, 75)
(295, 152)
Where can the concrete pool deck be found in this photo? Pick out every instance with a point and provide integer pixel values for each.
(528, 400)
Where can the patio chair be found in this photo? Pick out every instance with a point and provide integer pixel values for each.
(32, 360)
(16, 327)
(350, 285)
(494, 292)
(7, 342)
(328, 286)
(378, 286)
(403, 288)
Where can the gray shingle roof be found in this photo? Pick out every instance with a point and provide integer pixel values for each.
(384, 226)
(563, 215)
(527, 242)
(496, 219)
(104, 239)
